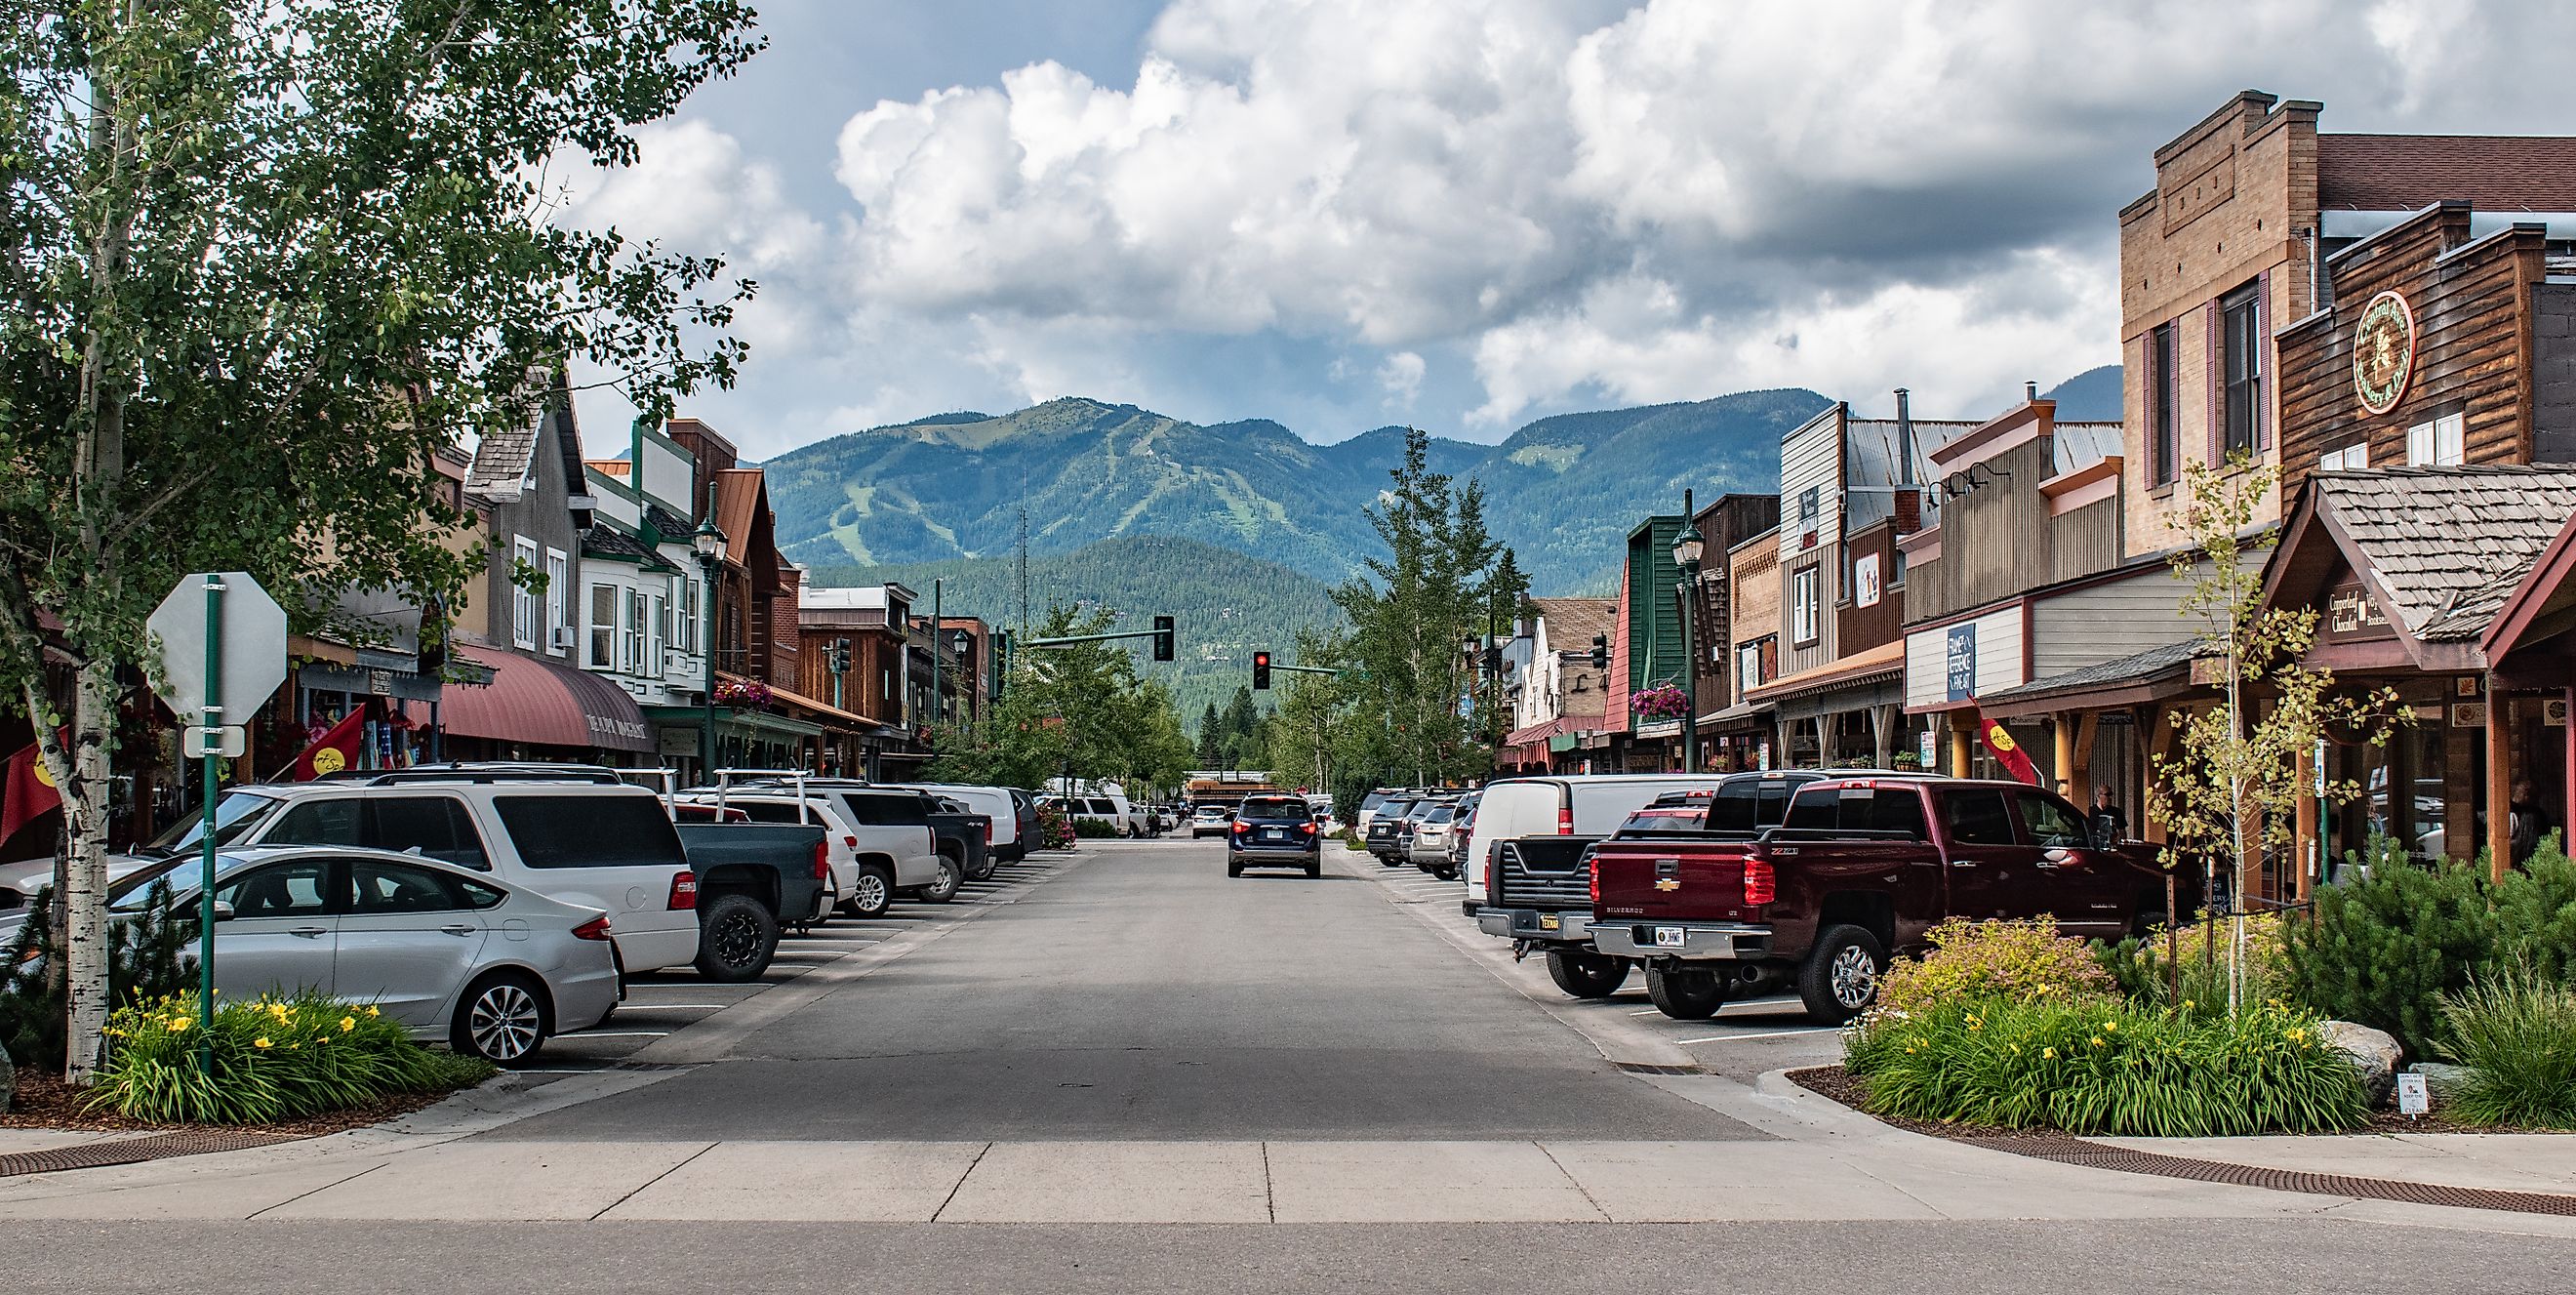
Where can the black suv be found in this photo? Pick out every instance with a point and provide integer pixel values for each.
(1274, 832)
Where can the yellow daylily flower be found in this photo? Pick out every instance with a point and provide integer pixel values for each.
(2097, 1040)
(348, 1023)
(179, 1024)
(2048, 1054)
(260, 1042)
(2112, 1026)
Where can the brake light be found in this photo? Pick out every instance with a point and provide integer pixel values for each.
(594, 929)
(1760, 886)
(684, 891)
(822, 862)
(1241, 828)
(1307, 828)
(1565, 820)
(988, 832)
(1596, 880)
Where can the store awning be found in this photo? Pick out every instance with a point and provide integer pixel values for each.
(1745, 714)
(1870, 665)
(542, 704)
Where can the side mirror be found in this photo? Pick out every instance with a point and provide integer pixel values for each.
(223, 911)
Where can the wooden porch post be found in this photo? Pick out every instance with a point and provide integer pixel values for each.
(1958, 745)
(2567, 808)
(2305, 839)
(2062, 729)
(2499, 785)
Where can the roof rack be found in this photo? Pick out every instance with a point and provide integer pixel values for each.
(469, 772)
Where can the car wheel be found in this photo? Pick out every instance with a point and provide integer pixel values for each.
(871, 892)
(503, 1018)
(1315, 867)
(944, 888)
(1388, 861)
(1684, 993)
(736, 937)
(1233, 868)
(991, 861)
(1840, 978)
(1586, 975)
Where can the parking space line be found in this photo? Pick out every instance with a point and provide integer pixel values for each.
(1775, 1034)
(616, 1034)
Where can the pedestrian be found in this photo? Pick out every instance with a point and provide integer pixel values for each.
(2110, 822)
(2528, 821)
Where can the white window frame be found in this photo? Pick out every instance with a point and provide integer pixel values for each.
(1748, 667)
(1806, 594)
(603, 628)
(631, 608)
(523, 603)
(654, 627)
(2351, 458)
(558, 577)
(2438, 443)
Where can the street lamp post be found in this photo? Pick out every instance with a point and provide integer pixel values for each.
(1687, 550)
(709, 543)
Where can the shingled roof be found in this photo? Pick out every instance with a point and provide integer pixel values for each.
(1571, 622)
(2449, 544)
(2408, 172)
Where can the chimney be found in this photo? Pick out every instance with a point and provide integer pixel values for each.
(1904, 439)
(2030, 392)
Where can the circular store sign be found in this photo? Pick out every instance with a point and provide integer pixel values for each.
(2383, 352)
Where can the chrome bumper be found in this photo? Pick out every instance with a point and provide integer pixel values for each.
(1573, 927)
(1700, 941)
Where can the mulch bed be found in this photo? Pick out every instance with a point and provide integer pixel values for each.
(44, 1101)
(1851, 1090)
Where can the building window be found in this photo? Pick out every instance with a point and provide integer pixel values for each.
(656, 634)
(2164, 392)
(558, 598)
(1896, 570)
(1803, 606)
(2240, 317)
(603, 627)
(2351, 458)
(523, 601)
(634, 605)
(688, 635)
(2441, 443)
(1748, 667)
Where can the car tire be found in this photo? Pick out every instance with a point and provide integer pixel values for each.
(1315, 867)
(985, 873)
(871, 892)
(951, 876)
(1233, 868)
(1840, 977)
(736, 939)
(1587, 975)
(1683, 992)
(504, 1017)
(1389, 862)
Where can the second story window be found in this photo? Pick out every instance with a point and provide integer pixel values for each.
(2441, 443)
(2240, 316)
(603, 627)
(524, 604)
(1803, 605)
(2164, 391)
(558, 599)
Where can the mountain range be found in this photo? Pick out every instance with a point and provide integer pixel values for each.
(1564, 490)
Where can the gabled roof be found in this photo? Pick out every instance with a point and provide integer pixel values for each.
(1571, 622)
(741, 496)
(2447, 545)
(608, 542)
(502, 458)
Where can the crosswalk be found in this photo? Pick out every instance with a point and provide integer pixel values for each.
(658, 1003)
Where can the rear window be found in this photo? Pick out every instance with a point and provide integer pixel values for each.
(773, 811)
(886, 809)
(1373, 800)
(1859, 809)
(590, 831)
(1440, 814)
(1667, 818)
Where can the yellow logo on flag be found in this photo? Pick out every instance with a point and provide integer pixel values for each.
(44, 774)
(1999, 736)
(329, 760)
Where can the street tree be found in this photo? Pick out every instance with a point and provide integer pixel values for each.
(2230, 792)
(1078, 711)
(266, 258)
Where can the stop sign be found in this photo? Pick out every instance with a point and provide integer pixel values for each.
(251, 628)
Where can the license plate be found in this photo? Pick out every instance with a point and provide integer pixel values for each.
(1550, 922)
(1274, 834)
(1671, 937)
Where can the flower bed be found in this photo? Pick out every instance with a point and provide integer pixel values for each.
(275, 1059)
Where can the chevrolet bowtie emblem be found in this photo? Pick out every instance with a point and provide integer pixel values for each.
(1668, 884)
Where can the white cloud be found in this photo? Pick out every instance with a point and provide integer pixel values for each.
(1589, 202)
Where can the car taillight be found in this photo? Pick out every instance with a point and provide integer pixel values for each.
(1760, 887)
(1565, 820)
(988, 832)
(594, 929)
(1307, 828)
(1242, 828)
(822, 862)
(1596, 881)
(684, 891)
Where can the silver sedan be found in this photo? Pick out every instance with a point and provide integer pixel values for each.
(450, 952)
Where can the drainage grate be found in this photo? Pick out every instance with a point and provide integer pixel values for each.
(159, 1146)
(1642, 1068)
(2075, 1151)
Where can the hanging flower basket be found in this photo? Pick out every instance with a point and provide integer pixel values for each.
(1663, 701)
(743, 694)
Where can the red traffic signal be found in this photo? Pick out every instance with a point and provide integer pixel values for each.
(1260, 670)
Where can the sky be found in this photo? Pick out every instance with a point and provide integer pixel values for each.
(1340, 214)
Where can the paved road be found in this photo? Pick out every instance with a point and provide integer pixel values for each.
(1144, 995)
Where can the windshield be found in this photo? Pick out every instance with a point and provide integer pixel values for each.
(237, 815)
(129, 893)
(1274, 809)
(1374, 800)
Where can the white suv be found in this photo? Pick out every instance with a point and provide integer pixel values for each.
(878, 840)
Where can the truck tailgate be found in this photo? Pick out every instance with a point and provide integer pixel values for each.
(1675, 880)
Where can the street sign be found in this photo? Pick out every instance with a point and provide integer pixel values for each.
(223, 743)
(254, 646)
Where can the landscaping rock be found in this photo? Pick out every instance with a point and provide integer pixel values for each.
(2374, 1053)
(2440, 1080)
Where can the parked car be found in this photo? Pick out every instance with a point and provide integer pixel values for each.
(1371, 803)
(1009, 843)
(880, 839)
(962, 836)
(572, 833)
(1429, 847)
(1210, 820)
(492, 968)
(1860, 869)
(1384, 836)
(1461, 826)
(1274, 832)
(1110, 810)
(1537, 888)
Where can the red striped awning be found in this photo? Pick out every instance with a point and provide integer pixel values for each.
(542, 704)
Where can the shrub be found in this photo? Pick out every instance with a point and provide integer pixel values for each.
(2018, 960)
(2138, 965)
(1092, 829)
(274, 1059)
(1055, 831)
(2383, 952)
(2515, 1031)
(2536, 914)
(148, 956)
(2106, 1068)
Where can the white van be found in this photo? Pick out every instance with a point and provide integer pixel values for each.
(1572, 805)
(995, 803)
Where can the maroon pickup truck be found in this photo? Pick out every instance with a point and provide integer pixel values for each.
(1860, 869)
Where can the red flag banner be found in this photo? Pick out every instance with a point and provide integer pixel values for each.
(26, 791)
(2007, 752)
(335, 750)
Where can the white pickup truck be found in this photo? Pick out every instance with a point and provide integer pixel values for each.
(879, 838)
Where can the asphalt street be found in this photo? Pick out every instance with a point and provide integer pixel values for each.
(1146, 995)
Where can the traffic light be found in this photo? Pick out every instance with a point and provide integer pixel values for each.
(1260, 670)
(1600, 651)
(838, 660)
(1162, 638)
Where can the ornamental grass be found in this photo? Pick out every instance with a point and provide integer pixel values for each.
(2515, 1031)
(2106, 1068)
(275, 1059)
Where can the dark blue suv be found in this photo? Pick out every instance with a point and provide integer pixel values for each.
(1274, 832)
